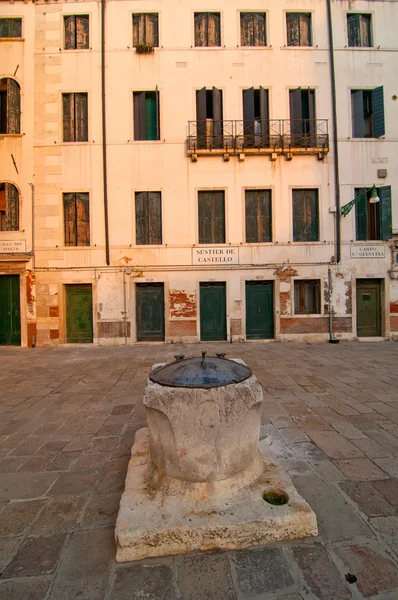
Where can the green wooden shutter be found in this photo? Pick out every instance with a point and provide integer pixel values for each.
(15, 28)
(12, 207)
(13, 107)
(251, 217)
(354, 38)
(361, 215)
(154, 218)
(258, 216)
(82, 219)
(358, 118)
(218, 217)
(4, 28)
(70, 219)
(68, 110)
(150, 117)
(204, 217)
(217, 118)
(70, 32)
(378, 124)
(82, 32)
(385, 213)
(81, 117)
(141, 218)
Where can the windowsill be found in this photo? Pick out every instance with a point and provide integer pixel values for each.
(11, 135)
(208, 47)
(75, 143)
(366, 139)
(306, 243)
(14, 233)
(150, 246)
(359, 48)
(301, 48)
(135, 142)
(12, 39)
(362, 242)
(211, 244)
(81, 50)
(255, 47)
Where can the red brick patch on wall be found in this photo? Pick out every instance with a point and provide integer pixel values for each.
(112, 329)
(182, 304)
(183, 328)
(236, 326)
(54, 334)
(394, 323)
(394, 307)
(316, 325)
(285, 302)
(32, 333)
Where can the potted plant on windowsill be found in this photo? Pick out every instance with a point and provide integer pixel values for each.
(144, 49)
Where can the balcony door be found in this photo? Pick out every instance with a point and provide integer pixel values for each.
(302, 118)
(209, 118)
(256, 118)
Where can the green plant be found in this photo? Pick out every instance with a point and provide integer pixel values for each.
(144, 49)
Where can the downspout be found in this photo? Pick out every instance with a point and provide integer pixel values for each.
(104, 163)
(32, 186)
(124, 308)
(335, 139)
(330, 288)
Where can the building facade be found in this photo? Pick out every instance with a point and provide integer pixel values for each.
(176, 172)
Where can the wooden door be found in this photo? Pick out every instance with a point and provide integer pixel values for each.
(368, 308)
(10, 318)
(213, 315)
(150, 312)
(259, 310)
(79, 314)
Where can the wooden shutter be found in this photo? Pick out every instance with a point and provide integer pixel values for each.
(141, 218)
(68, 109)
(12, 207)
(358, 119)
(248, 117)
(13, 107)
(70, 219)
(305, 216)
(378, 124)
(204, 217)
(246, 26)
(296, 111)
(293, 31)
(201, 29)
(305, 29)
(258, 216)
(82, 32)
(151, 30)
(361, 215)
(139, 115)
(385, 213)
(354, 38)
(70, 32)
(218, 218)
(251, 217)
(150, 117)
(138, 29)
(217, 117)
(260, 38)
(364, 30)
(213, 29)
(201, 113)
(81, 117)
(154, 218)
(82, 219)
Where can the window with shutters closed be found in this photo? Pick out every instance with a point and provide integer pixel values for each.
(258, 216)
(10, 28)
(207, 29)
(211, 217)
(76, 29)
(76, 219)
(307, 296)
(299, 29)
(75, 117)
(146, 29)
(9, 207)
(253, 29)
(373, 221)
(359, 30)
(146, 116)
(10, 106)
(305, 216)
(148, 218)
(368, 113)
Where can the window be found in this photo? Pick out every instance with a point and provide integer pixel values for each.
(145, 29)
(368, 113)
(307, 296)
(10, 106)
(209, 116)
(302, 118)
(207, 29)
(77, 219)
(373, 221)
(75, 117)
(298, 29)
(76, 32)
(359, 32)
(255, 118)
(10, 28)
(146, 116)
(252, 29)
(148, 218)
(9, 207)
(258, 216)
(305, 216)
(211, 217)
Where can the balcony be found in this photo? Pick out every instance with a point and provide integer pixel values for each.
(272, 137)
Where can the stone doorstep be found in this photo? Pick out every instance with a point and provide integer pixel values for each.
(153, 523)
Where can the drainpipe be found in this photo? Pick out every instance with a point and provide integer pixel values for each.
(331, 340)
(125, 307)
(335, 139)
(104, 163)
(32, 187)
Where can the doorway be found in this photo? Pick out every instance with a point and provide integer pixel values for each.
(259, 310)
(10, 317)
(213, 314)
(150, 312)
(368, 308)
(79, 314)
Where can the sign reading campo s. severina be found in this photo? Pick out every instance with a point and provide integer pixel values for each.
(215, 256)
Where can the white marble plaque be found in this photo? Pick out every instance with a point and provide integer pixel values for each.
(367, 251)
(12, 246)
(215, 256)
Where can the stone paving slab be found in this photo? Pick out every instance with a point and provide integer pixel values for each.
(68, 417)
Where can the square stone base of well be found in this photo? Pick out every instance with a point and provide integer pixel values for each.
(158, 520)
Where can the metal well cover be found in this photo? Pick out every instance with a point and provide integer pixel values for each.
(196, 372)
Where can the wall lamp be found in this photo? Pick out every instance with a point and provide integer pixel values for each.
(372, 200)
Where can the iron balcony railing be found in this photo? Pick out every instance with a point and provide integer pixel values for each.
(278, 135)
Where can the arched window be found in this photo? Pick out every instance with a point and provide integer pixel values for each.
(9, 207)
(10, 106)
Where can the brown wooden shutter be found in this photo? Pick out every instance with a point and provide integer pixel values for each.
(293, 32)
(204, 217)
(151, 30)
(82, 219)
(139, 116)
(251, 217)
(82, 32)
(246, 22)
(68, 109)
(213, 30)
(260, 38)
(81, 117)
(258, 216)
(141, 220)
(217, 218)
(70, 32)
(70, 219)
(305, 216)
(138, 29)
(201, 29)
(13, 107)
(12, 207)
(154, 218)
(305, 29)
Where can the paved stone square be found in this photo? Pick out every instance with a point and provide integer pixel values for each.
(68, 417)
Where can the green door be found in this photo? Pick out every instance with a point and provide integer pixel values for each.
(10, 319)
(79, 314)
(150, 312)
(259, 310)
(368, 308)
(213, 321)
